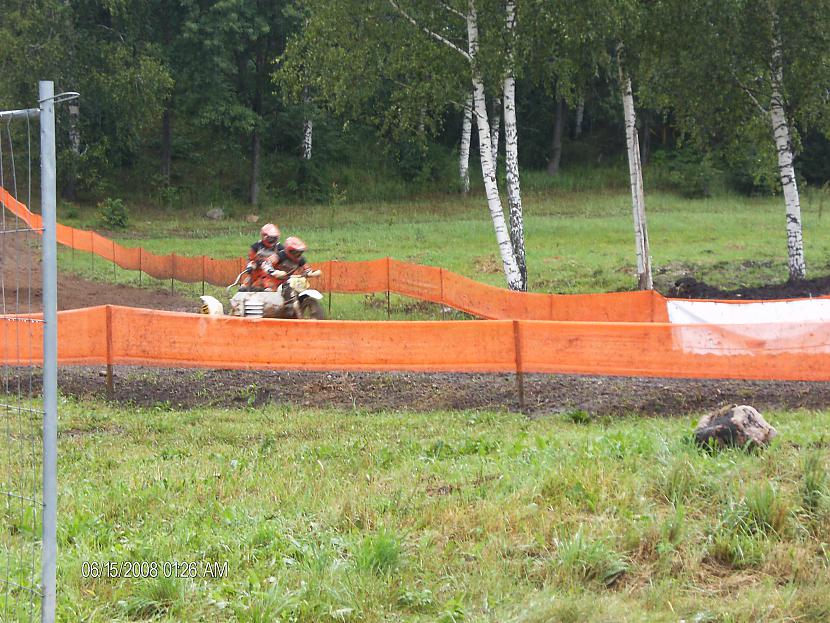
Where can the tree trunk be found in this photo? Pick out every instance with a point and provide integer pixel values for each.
(636, 178)
(308, 128)
(167, 143)
(786, 171)
(495, 130)
(792, 203)
(558, 126)
(488, 169)
(580, 115)
(464, 155)
(511, 154)
(70, 191)
(256, 157)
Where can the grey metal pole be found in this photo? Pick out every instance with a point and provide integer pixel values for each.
(48, 192)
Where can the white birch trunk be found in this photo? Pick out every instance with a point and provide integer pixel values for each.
(308, 130)
(636, 179)
(511, 154)
(488, 168)
(786, 171)
(495, 130)
(308, 134)
(466, 135)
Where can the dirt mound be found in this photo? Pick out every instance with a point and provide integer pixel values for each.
(544, 394)
(691, 288)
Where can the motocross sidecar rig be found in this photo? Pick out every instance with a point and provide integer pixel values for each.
(295, 298)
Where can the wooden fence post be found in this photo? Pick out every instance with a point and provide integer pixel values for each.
(110, 380)
(388, 285)
(520, 382)
(331, 263)
(441, 283)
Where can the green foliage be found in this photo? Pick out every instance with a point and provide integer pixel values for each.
(589, 560)
(379, 553)
(154, 597)
(687, 171)
(113, 214)
(578, 416)
(815, 484)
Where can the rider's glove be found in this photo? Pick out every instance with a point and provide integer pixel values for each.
(250, 266)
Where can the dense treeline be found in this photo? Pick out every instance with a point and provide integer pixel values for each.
(334, 100)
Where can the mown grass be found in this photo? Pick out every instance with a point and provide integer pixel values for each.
(578, 238)
(351, 516)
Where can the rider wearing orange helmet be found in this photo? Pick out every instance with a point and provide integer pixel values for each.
(288, 261)
(262, 257)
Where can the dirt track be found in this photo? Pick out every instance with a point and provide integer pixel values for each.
(374, 391)
(544, 394)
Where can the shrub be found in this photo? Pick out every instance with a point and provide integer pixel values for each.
(113, 214)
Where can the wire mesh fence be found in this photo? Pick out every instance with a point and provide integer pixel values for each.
(23, 409)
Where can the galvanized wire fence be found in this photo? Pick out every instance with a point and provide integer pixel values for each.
(27, 394)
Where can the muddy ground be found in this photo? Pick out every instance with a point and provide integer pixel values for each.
(689, 287)
(544, 394)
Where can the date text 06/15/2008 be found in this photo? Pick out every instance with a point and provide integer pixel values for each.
(138, 569)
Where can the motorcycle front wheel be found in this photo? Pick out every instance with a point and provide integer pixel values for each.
(311, 309)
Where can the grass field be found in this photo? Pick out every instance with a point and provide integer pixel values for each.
(578, 240)
(461, 516)
(350, 516)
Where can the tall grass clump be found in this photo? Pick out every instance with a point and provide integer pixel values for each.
(379, 553)
(814, 484)
(589, 561)
(679, 482)
(748, 526)
(154, 598)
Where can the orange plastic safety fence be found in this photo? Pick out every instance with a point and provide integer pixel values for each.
(128, 336)
(128, 258)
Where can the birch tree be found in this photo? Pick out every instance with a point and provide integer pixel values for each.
(511, 144)
(725, 66)
(635, 170)
(495, 126)
(573, 42)
(308, 128)
(508, 241)
(464, 151)
(401, 64)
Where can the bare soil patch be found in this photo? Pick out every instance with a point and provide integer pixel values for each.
(404, 391)
(691, 288)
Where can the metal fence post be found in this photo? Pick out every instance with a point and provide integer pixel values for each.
(46, 90)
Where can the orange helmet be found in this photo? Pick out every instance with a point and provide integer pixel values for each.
(270, 234)
(294, 248)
